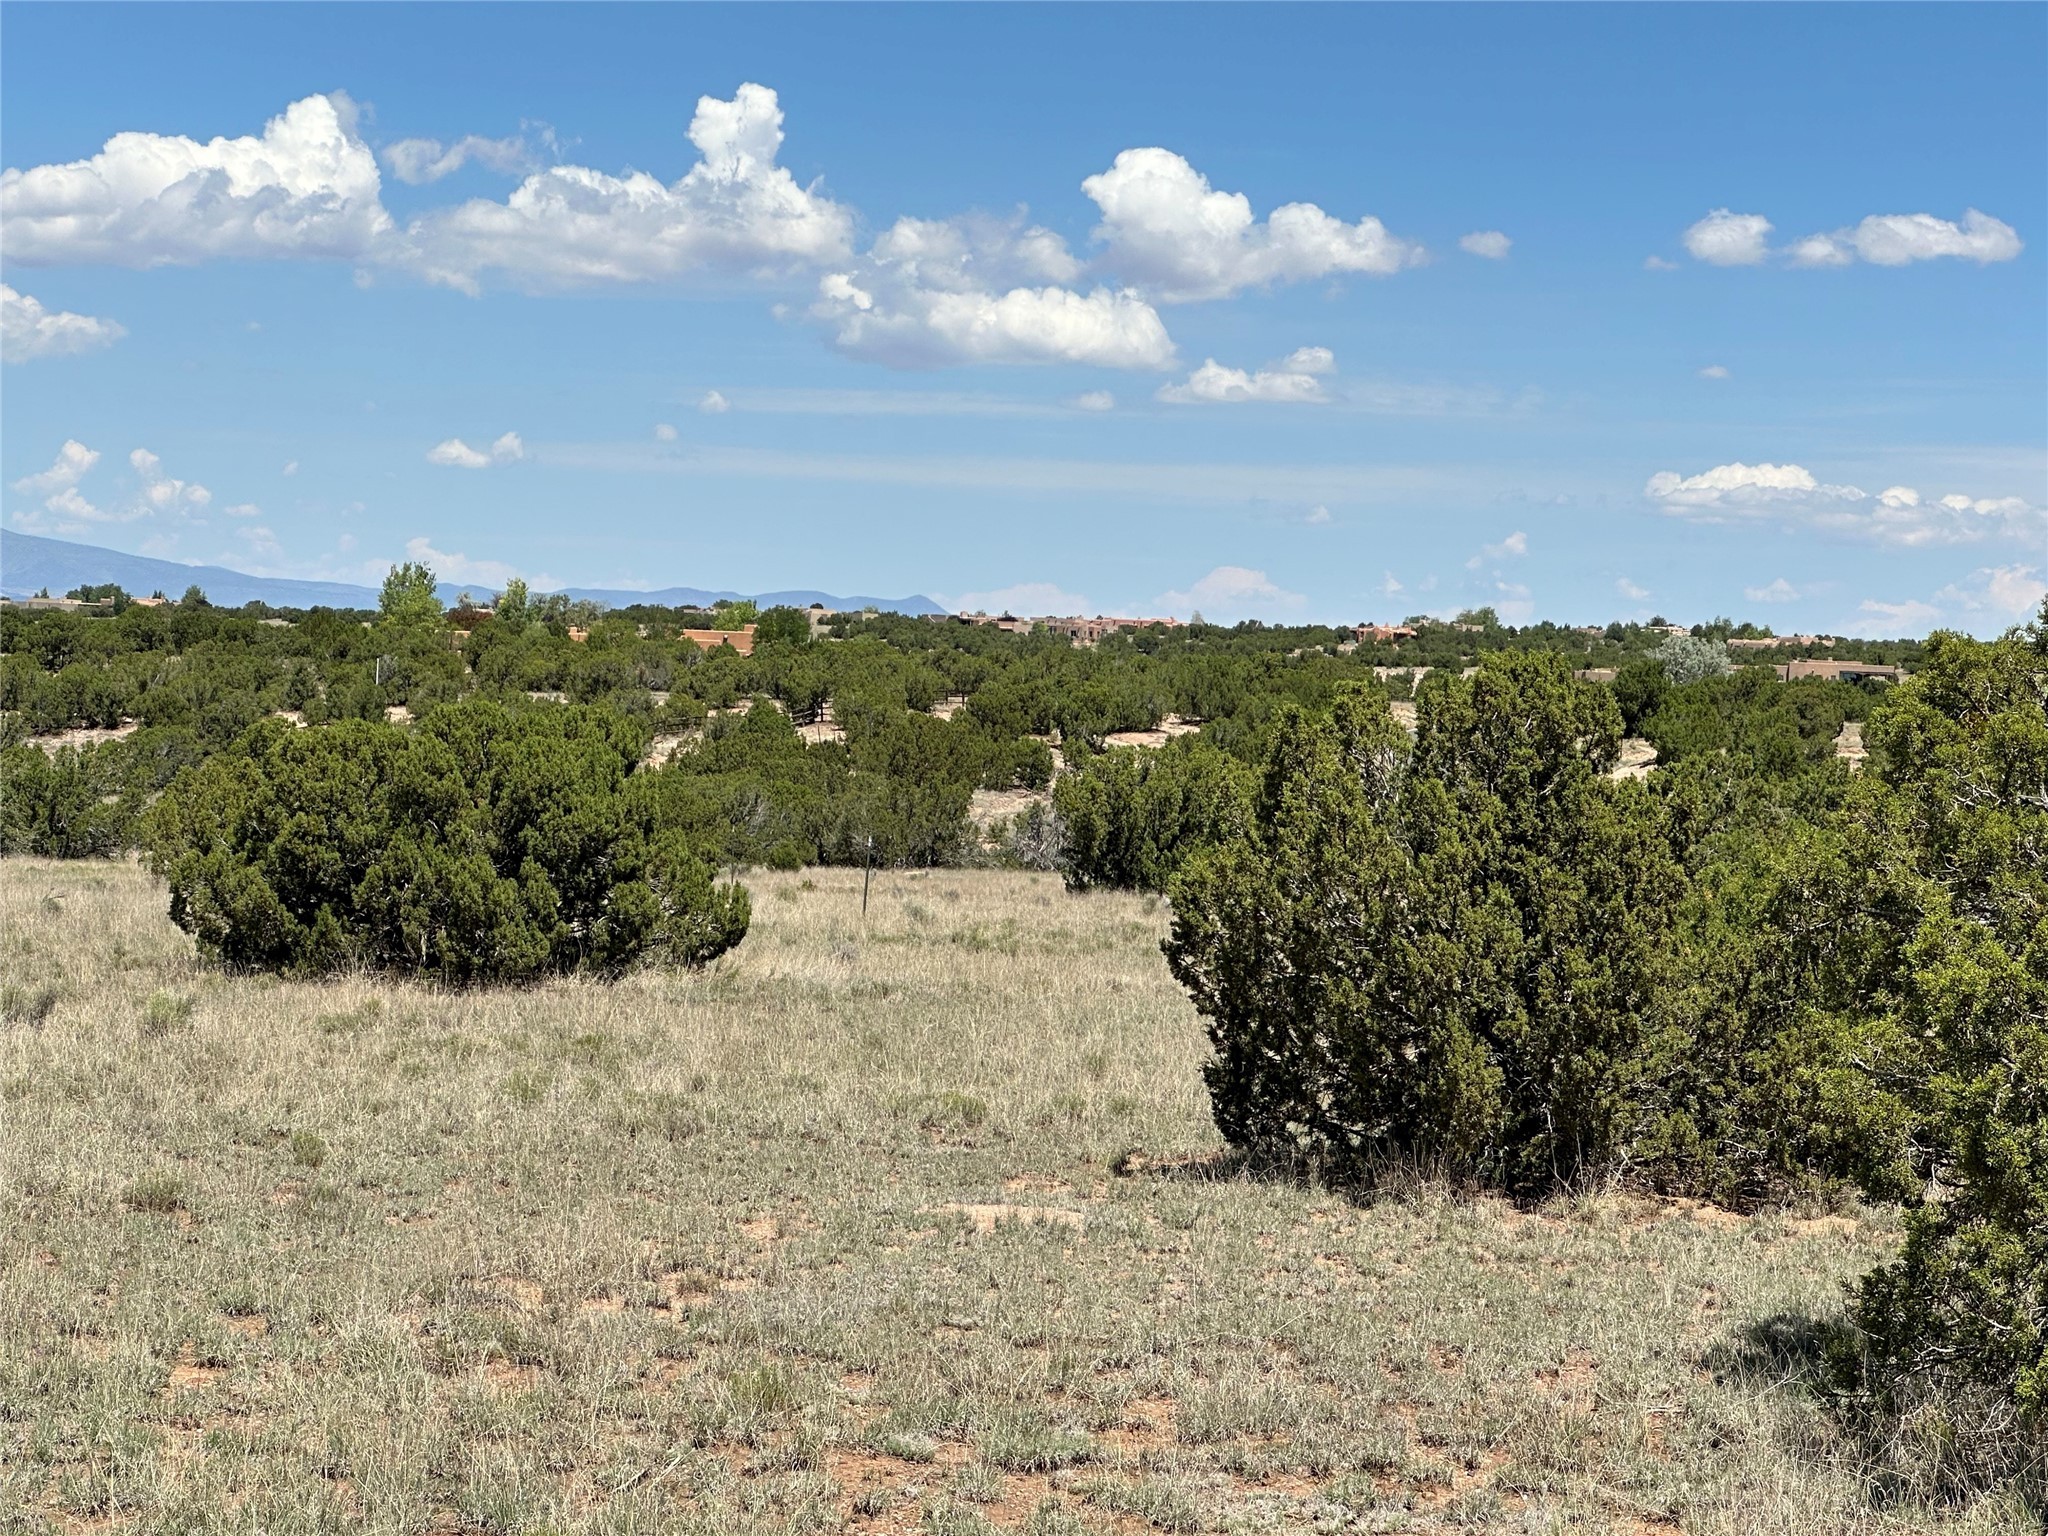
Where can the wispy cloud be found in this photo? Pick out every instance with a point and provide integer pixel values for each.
(899, 402)
(1171, 480)
(1513, 547)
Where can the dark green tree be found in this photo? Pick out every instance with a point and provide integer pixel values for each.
(491, 844)
(783, 626)
(1453, 954)
(1131, 817)
(1951, 1358)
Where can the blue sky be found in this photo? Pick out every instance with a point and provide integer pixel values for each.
(1581, 312)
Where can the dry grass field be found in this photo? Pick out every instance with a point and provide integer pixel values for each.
(922, 1229)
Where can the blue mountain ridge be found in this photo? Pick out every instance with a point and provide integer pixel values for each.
(29, 563)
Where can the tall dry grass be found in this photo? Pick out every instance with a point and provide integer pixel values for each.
(911, 1225)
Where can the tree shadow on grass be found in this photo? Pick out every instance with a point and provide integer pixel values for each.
(1784, 1350)
(1221, 1166)
(1901, 1466)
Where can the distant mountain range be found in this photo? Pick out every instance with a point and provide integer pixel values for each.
(29, 563)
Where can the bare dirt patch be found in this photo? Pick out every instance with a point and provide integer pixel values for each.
(1637, 758)
(84, 736)
(986, 807)
(1849, 745)
(1170, 727)
(188, 1374)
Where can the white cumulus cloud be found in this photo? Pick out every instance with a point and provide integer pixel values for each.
(1789, 493)
(1630, 590)
(1726, 239)
(713, 404)
(1779, 591)
(664, 433)
(1095, 400)
(162, 492)
(1294, 380)
(1714, 371)
(1899, 239)
(29, 331)
(307, 187)
(1168, 231)
(900, 322)
(456, 454)
(1232, 592)
(65, 506)
(735, 209)
(1987, 601)
(73, 462)
(1490, 243)
(2005, 594)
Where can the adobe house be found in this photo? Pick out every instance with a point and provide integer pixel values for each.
(1842, 671)
(741, 640)
(1773, 642)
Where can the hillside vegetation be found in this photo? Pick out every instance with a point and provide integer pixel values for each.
(1502, 927)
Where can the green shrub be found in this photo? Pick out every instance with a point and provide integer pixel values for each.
(165, 1013)
(1452, 955)
(73, 803)
(1131, 816)
(1949, 1369)
(486, 844)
